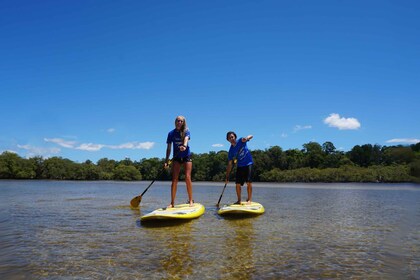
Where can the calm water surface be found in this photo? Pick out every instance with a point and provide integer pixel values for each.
(86, 230)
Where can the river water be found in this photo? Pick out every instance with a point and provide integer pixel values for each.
(86, 230)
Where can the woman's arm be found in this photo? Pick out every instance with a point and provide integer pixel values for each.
(184, 145)
(245, 139)
(168, 153)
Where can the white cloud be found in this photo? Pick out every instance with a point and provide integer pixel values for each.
(110, 130)
(92, 147)
(334, 120)
(38, 151)
(61, 142)
(217, 145)
(404, 140)
(284, 135)
(133, 146)
(301, 127)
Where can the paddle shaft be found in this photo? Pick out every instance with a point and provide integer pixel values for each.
(154, 180)
(220, 198)
(136, 200)
(148, 187)
(157, 176)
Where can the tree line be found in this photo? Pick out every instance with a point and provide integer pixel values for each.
(313, 163)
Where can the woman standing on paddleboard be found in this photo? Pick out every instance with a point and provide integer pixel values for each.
(179, 138)
(239, 151)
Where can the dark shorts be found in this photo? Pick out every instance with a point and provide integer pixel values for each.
(244, 174)
(183, 159)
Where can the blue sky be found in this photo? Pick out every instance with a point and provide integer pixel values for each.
(106, 79)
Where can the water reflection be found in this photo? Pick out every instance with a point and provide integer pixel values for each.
(239, 253)
(170, 244)
(178, 262)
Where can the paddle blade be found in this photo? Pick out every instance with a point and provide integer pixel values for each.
(135, 201)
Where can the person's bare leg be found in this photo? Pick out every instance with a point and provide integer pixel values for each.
(188, 182)
(176, 167)
(238, 193)
(249, 190)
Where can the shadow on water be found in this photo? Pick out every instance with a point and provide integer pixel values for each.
(241, 216)
(162, 223)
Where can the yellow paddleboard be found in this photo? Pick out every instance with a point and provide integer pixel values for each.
(242, 209)
(180, 212)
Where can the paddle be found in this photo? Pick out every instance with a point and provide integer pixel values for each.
(220, 198)
(136, 200)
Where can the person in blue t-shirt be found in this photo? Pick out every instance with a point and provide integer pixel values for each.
(239, 153)
(178, 138)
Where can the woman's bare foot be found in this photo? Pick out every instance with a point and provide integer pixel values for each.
(170, 206)
(191, 203)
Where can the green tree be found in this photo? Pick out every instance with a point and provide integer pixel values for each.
(126, 173)
(58, 168)
(217, 165)
(8, 165)
(328, 148)
(38, 165)
(262, 163)
(87, 171)
(106, 168)
(415, 169)
(398, 155)
(416, 147)
(365, 155)
(314, 155)
(12, 166)
(150, 169)
(332, 157)
(294, 159)
(277, 158)
(201, 167)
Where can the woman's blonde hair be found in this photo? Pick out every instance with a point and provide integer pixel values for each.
(184, 126)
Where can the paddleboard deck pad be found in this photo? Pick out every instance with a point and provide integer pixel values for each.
(178, 212)
(242, 209)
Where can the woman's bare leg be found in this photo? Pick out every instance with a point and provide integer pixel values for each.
(176, 167)
(188, 182)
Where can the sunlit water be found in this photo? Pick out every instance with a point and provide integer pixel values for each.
(86, 230)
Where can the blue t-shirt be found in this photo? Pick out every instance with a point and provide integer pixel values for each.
(241, 153)
(174, 136)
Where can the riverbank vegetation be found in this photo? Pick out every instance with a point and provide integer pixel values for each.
(313, 163)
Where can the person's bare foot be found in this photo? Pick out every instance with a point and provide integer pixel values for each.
(170, 206)
(248, 202)
(191, 203)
